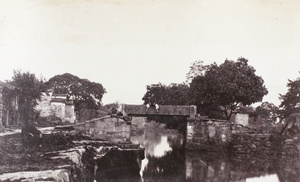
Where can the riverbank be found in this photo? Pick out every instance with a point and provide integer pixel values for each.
(53, 158)
(57, 155)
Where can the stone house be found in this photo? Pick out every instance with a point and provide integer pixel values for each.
(57, 105)
(9, 114)
(64, 108)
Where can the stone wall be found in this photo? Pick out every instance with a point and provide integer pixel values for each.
(164, 110)
(262, 144)
(222, 136)
(113, 129)
(208, 135)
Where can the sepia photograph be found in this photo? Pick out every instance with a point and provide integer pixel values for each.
(149, 90)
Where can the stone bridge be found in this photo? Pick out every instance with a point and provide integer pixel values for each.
(164, 110)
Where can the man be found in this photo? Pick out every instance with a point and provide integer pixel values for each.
(152, 102)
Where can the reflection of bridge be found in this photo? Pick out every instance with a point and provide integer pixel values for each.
(164, 110)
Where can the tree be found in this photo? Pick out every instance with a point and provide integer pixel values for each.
(173, 94)
(290, 102)
(197, 68)
(268, 112)
(29, 94)
(225, 87)
(87, 94)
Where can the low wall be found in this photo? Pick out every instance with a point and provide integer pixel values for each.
(222, 136)
(208, 135)
(254, 143)
(164, 110)
(114, 129)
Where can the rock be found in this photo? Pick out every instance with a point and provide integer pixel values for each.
(252, 146)
(268, 144)
(57, 175)
(289, 141)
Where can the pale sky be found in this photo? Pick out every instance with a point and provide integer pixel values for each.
(128, 44)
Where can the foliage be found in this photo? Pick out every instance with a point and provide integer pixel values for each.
(173, 94)
(86, 94)
(246, 109)
(225, 87)
(29, 94)
(268, 112)
(197, 68)
(290, 102)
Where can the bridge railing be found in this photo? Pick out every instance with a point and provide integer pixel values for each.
(164, 110)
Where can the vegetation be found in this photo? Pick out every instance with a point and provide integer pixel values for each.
(29, 93)
(216, 90)
(86, 94)
(197, 68)
(268, 112)
(290, 102)
(227, 86)
(175, 94)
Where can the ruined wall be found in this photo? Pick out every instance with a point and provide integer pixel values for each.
(261, 144)
(208, 135)
(114, 129)
(222, 136)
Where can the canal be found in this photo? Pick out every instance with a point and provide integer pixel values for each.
(167, 160)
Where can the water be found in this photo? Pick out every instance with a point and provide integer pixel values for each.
(167, 160)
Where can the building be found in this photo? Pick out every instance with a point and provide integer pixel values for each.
(55, 105)
(63, 107)
(9, 114)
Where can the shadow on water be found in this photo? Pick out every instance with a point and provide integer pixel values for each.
(165, 159)
(120, 165)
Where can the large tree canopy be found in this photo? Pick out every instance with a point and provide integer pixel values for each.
(268, 112)
(174, 94)
(30, 92)
(227, 86)
(87, 94)
(290, 102)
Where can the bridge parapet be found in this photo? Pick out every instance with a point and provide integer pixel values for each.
(164, 110)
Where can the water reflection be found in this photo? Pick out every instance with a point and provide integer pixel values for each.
(164, 153)
(162, 148)
(167, 160)
(269, 178)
